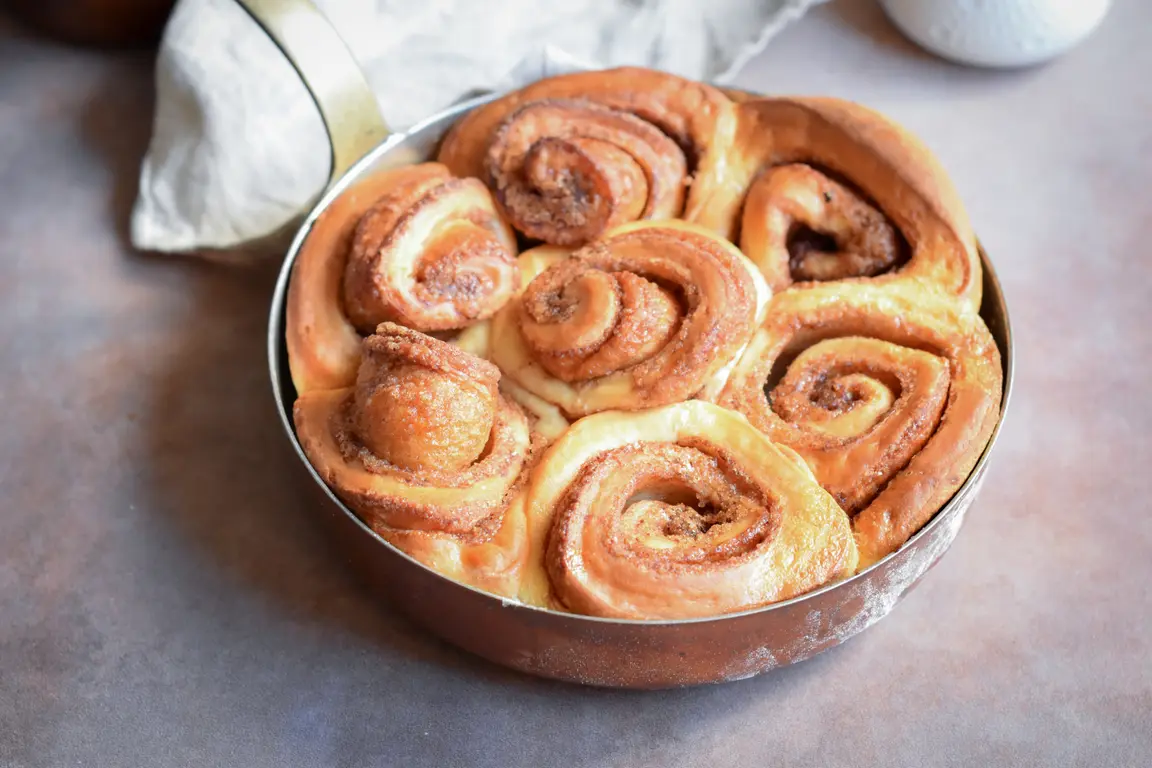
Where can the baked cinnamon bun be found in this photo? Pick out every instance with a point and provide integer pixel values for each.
(573, 156)
(820, 189)
(426, 450)
(649, 314)
(678, 512)
(889, 394)
(413, 245)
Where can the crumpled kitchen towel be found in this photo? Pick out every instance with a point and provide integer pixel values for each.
(238, 150)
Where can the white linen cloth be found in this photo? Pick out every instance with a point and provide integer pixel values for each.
(238, 150)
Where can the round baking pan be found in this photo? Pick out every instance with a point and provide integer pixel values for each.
(582, 649)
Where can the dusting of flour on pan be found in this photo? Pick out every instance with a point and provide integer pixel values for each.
(880, 596)
(758, 661)
(861, 604)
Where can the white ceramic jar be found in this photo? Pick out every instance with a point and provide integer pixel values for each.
(997, 33)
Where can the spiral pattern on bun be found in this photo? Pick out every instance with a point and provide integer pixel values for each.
(889, 398)
(647, 315)
(411, 245)
(573, 156)
(678, 512)
(429, 453)
(820, 189)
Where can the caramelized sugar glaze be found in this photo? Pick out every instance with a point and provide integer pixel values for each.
(635, 349)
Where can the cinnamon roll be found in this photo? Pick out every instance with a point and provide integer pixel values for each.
(412, 245)
(889, 395)
(677, 512)
(427, 452)
(819, 189)
(572, 156)
(649, 314)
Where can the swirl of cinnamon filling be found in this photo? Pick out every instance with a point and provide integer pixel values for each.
(429, 454)
(566, 171)
(647, 315)
(888, 396)
(678, 512)
(820, 189)
(574, 155)
(411, 245)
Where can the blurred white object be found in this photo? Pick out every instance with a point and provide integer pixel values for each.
(239, 152)
(997, 33)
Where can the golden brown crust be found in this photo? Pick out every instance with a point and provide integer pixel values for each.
(411, 245)
(564, 171)
(868, 387)
(612, 140)
(677, 512)
(428, 453)
(423, 405)
(892, 186)
(649, 314)
(890, 394)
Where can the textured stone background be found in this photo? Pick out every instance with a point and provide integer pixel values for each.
(164, 600)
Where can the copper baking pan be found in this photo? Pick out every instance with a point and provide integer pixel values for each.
(592, 651)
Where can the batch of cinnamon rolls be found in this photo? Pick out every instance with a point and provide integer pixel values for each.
(633, 347)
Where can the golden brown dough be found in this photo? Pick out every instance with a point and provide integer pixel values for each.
(572, 156)
(429, 454)
(649, 314)
(564, 171)
(677, 512)
(889, 393)
(411, 245)
(819, 189)
(624, 421)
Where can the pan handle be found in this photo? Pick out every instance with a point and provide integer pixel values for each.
(330, 73)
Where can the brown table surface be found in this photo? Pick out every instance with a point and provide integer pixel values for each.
(165, 601)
